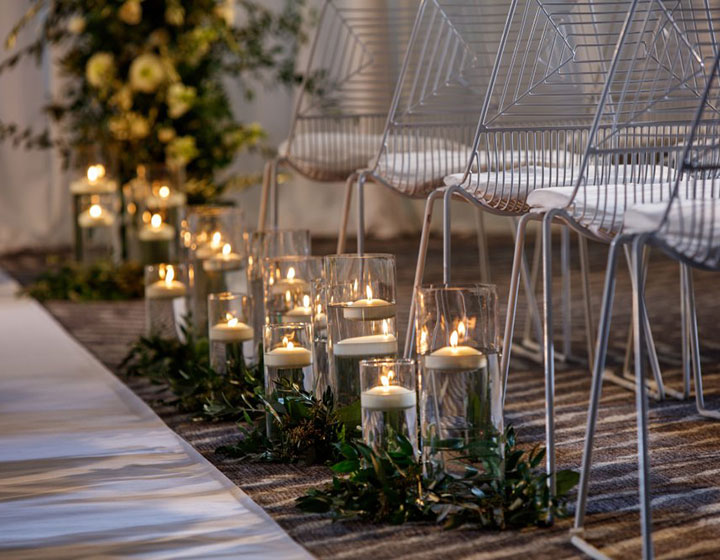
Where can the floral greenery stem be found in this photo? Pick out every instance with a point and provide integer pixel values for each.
(305, 429)
(393, 486)
(78, 282)
(184, 367)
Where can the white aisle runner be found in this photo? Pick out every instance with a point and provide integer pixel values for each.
(88, 470)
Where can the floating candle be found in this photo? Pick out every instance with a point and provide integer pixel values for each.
(369, 308)
(96, 216)
(225, 260)
(156, 230)
(299, 314)
(165, 197)
(385, 397)
(288, 356)
(230, 330)
(94, 182)
(167, 287)
(289, 283)
(455, 357)
(206, 250)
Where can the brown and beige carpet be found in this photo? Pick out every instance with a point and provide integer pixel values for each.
(685, 449)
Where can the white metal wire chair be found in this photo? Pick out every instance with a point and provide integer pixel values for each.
(644, 124)
(341, 108)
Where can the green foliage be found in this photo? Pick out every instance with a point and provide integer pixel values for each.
(77, 282)
(392, 486)
(305, 429)
(144, 79)
(184, 367)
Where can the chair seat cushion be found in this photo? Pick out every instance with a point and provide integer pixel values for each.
(330, 155)
(417, 173)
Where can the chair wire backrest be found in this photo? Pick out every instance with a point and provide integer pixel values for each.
(690, 225)
(430, 125)
(641, 126)
(544, 87)
(348, 84)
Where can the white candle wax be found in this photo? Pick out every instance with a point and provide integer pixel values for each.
(321, 321)
(369, 309)
(165, 290)
(104, 219)
(174, 199)
(290, 284)
(286, 358)
(298, 314)
(456, 357)
(100, 186)
(220, 261)
(224, 332)
(163, 232)
(372, 345)
(390, 397)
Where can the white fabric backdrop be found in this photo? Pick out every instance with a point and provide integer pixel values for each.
(35, 204)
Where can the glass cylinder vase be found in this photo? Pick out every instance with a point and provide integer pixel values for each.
(461, 417)
(232, 341)
(165, 196)
(166, 290)
(388, 402)
(288, 361)
(271, 243)
(98, 228)
(217, 255)
(361, 317)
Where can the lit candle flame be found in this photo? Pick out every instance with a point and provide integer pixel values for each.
(95, 211)
(164, 191)
(169, 275)
(232, 322)
(287, 343)
(461, 329)
(288, 296)
(216, 240)
(226, 249)
(368, 292)
(319, 308)
(385, 379)
(156, 221)
(306, 301)
(95, 172)
(454, 339)
(291, 273)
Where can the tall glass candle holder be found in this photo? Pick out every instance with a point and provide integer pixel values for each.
(90, 176)
(98, 226)
(135, 192)
(321, 363)
(388, 401)
(271, 243)
(166, 290)
(287, 285)
(166, 197)
(232, 347)
(218, 257)
(287, 359)
(361, 317)
(460, 389)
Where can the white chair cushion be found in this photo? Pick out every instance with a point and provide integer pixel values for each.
(341, 152)
(416, 173)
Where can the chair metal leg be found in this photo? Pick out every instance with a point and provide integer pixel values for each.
(420, 269)
(482, 246)
(565, 295)
(533, 319)
(447, 230)
(342, 234)
(641, 400)
(274, 194)
(264, 195)
(549, 350)
(361, 213)
(695, 346)
(512, 300)
(596, 385)
(585, 273)
(685, 334)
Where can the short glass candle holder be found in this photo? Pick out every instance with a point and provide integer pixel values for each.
(157, 239)
(98, 227)
(287, 359)
(166, 291)
(90, 176)
(388, 401)
(217, 255)
(271, 243)
(287, 284)
(461, 415)
(361, 317)
(232, 341)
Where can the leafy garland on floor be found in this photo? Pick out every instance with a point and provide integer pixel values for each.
(78, 282)
(393, 486)
(499, 485)
(184, 367)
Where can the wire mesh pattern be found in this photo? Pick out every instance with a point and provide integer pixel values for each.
(348, 86)
(543, 91)
(643, 118)
(439, 93)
